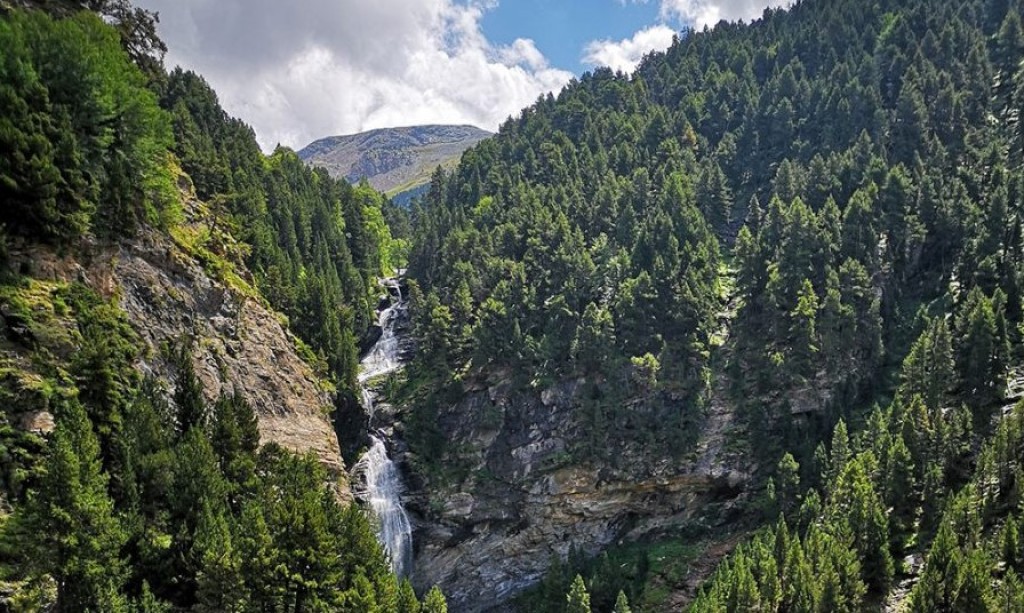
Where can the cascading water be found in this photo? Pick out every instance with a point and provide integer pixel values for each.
(383, 357)
(382, 491)
(382, 484)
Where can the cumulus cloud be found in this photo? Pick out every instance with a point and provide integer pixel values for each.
(304, 69)
(700, 13)
(625, 54)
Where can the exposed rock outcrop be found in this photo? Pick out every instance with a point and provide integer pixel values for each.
(236, 340)
(238, 343)
(526, 498)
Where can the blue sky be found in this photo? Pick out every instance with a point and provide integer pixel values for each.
(300, 70)
(561, 29)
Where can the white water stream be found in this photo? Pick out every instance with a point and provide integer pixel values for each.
(383, 357)
(383, 492)
(382, 484)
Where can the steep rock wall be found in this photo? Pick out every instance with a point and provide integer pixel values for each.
(237, 342)
(526, 499)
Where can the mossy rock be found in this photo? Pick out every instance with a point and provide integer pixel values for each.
(36, 315)
(23, 390)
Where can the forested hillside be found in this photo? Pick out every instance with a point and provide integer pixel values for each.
(814, 219)
(133, 208)
(314, 242)
(738, 331)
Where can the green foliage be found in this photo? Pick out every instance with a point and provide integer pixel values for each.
(642, 573)
(561, 260)
(434, 602)
(87, 141)
(200, 518)
(69, 529)
(137, 503)
(622, 604)
(788, 490)
(645, 371)
(779, 570)
(888, 155)
(857, 509)
(982, 350)
(929, 370)
(188, 392)
(577, 600)
(316, 245)
(407, 602)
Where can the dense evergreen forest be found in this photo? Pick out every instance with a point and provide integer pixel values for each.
(141, 500)
(816, 218)
(841, 186)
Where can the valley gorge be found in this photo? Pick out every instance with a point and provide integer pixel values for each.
(379, 483)
(739, 329)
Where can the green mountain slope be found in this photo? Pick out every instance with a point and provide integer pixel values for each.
(166, 440)
(393, 160)
(849, 208)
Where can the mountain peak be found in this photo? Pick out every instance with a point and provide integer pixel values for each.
(393, 160)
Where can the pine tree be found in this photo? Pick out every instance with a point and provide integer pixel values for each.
(803, 332)
(840, 453)
(974, 591)
(360, 598)
(220, 585)
(621, 604)
(235, 438)
(595, 337)
(856, 504)
(407, 602)
(788, 472)
(578, 599)
(929, 369)
(259, 558)
(188, 392)
(981, 348)
(70, 527)
(714, 195)
(1011, 544)
(934, 592)
(199, 490)
(1010, 595)
(860, 231)
(434, 602)
(898, 490)
(743, 594)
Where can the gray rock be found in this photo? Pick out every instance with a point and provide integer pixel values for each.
(527, 499)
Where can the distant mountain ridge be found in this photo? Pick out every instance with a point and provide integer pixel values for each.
(396, 161)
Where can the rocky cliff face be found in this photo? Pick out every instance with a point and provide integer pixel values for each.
(526, 499)
(237, 341)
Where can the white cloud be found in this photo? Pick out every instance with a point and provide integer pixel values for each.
(300, 70)
(524, 51)
(700, 13)
(625, 54)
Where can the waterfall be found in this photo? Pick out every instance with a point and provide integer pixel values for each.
(381, 485)
(382, 491)
(368, 405)
(383, 357)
